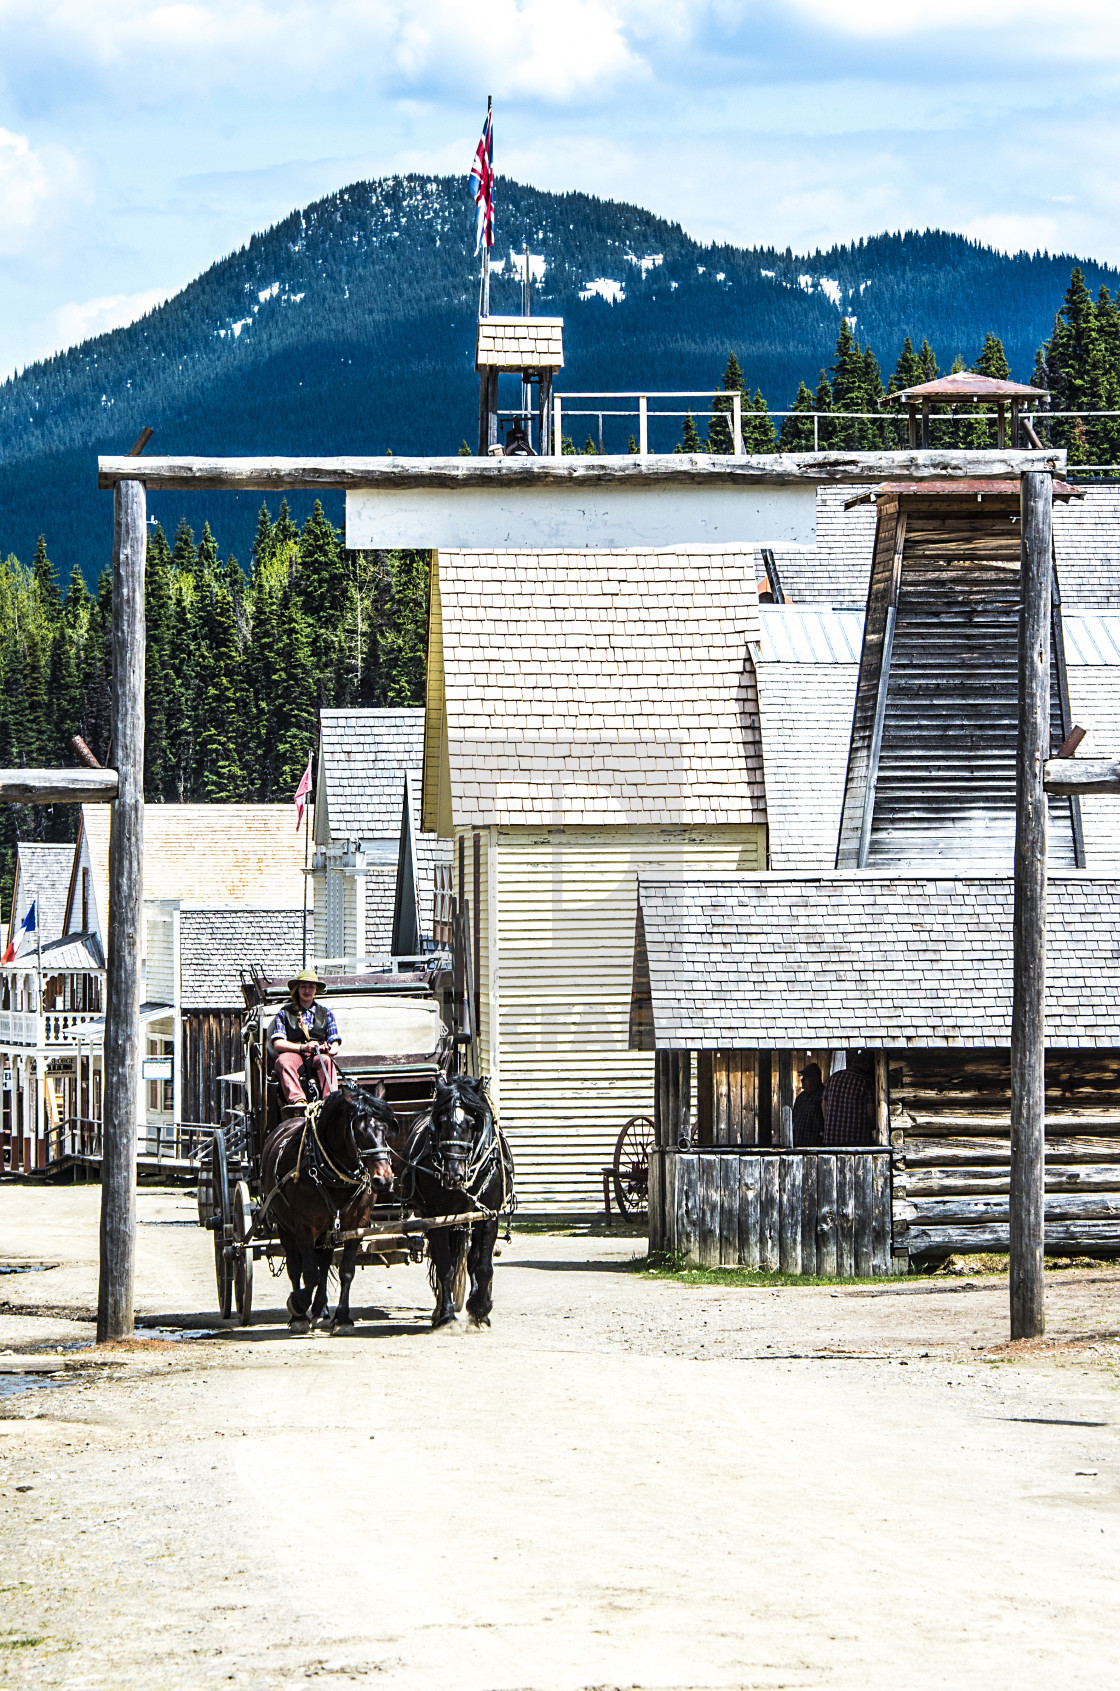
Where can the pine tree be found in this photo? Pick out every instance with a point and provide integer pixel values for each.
(262, 542)
(221, 738)
(284, 531)
(758, 425)
(719, 428)
(822, 402)
(96, 671)
(797, 429)
(909, 371)
(690, 438)
(632, 448)
(295, 687)
(928, 363)
(1104, 432)
(46, 579)
(464, 451)
(873, 437)
(75, 606)
(993, 360)
(158, 675)
(65, 695)
(848, 386)
(406, 641)
(184, 558)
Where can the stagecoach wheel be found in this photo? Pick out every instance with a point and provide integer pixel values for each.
(223, 1272)
(243, 1261)
(631, 1165)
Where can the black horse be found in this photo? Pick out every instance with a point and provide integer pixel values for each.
(325, 1168)
(456, 1161)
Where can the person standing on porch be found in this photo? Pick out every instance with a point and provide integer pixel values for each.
(304, 1029)
(849, 1103)
(808, 1111)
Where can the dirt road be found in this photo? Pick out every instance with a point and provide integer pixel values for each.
(626, 1482)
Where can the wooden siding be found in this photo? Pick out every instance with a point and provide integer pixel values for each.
(159, 958)
(824, 1213)
(950, 1116)
(559, 976)
(435, 794)
(211, 1046)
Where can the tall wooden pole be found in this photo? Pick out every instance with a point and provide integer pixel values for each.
(126, 912)
(1028, 1034)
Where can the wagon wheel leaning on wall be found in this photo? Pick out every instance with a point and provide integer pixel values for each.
(631, 1165)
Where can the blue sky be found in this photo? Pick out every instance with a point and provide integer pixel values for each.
(141, 140)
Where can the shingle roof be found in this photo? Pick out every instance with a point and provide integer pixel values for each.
(216, 943)
(591, 687)
(363, 758)
(772, 961)
(44, 874)
(520, 343)
(242, 854)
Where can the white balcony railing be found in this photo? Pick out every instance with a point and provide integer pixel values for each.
(57, 1027)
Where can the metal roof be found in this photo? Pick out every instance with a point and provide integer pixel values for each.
(1092, 637)
(966, 384)
(809, 634)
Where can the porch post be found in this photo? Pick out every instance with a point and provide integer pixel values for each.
(1028, 1035)
(121, 1059)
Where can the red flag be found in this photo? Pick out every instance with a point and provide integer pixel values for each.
(302, 791)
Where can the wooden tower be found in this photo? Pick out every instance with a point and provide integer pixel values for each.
(931, 764)
(531, 347)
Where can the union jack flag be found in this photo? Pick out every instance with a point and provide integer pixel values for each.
(481, 183)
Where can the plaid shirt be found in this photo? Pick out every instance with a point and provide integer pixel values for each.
(847, 1097)
(305, 1018)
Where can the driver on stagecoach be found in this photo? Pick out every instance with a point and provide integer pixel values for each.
(304, 1029)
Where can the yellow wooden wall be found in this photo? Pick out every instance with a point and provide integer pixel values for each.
(558, 909)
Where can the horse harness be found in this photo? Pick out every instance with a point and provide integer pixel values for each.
(357, 1183)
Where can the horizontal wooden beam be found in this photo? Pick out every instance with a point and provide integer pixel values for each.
(274, 474)
(58, 786)
(1077, 775)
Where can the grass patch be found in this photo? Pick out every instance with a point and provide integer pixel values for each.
(668, 1267)
(13, 1643)
(581, 1226)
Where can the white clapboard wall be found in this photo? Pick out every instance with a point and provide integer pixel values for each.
(557, 943)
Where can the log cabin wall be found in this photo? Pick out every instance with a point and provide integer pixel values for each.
(824, 1213)
(950, 1115)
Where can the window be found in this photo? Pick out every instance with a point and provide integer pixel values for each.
(161, 1093)
(85, 901)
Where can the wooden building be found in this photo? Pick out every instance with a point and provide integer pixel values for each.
(590, 715)
(223, 889)
(888, 752)
(367, 760)
(918, 970)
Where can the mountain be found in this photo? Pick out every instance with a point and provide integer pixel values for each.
(349, 328)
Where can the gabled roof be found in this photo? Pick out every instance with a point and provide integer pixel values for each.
(363, 757)
(216, 943)
(220, 854)
(759, 962)
(520, 343)
(43, 874)
(592, 687)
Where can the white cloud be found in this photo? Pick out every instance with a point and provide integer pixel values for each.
(77, 320)
(36, 187)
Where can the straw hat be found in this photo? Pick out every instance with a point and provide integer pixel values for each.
(310, 976)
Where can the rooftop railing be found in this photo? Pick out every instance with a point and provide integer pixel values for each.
(882, 429)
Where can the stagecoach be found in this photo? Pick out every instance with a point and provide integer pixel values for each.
(394, 1033)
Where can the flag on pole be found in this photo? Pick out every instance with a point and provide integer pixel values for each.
(27, 926)
(302, 792)
(481, 184)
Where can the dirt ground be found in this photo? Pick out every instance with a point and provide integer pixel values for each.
(626, 1482)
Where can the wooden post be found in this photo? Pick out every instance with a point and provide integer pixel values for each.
(1001, 425)
(785, 1097)
(882, 1100)
(913, 433)
(121, 1059)
(1028, 1039)
(643, 426)
(925, 423)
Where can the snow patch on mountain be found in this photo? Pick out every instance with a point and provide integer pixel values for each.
(606, 288)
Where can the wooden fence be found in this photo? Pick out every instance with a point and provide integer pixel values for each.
(793, 1212)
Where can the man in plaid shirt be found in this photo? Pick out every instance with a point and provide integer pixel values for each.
(848, 1102)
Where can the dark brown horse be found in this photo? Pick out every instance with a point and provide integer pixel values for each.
(455, 1161)
(320, 1171)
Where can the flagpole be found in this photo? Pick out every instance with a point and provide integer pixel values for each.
(487, 227)
(306, 866)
